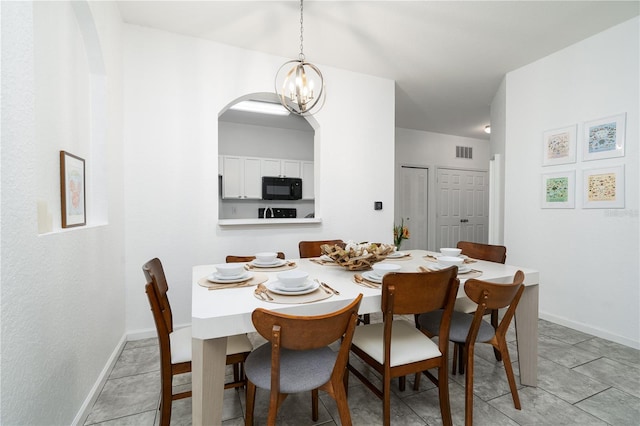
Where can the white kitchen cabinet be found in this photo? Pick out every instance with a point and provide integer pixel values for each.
(291, 168)
(241, 178)
(308, 190)
(278, 167)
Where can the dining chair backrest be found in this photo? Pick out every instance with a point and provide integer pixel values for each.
(312, 248)
(488, 252)
(236, 259)
(494, 296)
(154, 273)
(307, 332)
(411, 293)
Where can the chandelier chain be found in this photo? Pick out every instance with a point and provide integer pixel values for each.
(301, 56)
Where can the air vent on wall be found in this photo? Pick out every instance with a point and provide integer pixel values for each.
(464, 152)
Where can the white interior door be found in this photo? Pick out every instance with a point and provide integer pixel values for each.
(463, 207)
(414, 205)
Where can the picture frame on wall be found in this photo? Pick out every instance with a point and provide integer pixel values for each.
(72, 190)
(604, 138)
(559, 146)
(603, 188)
(558, 190)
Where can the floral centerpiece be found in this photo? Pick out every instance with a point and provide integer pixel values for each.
(357, 256)
(400, 233)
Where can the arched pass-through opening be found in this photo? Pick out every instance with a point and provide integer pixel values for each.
(259, 138)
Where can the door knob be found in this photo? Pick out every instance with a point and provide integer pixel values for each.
(464, 220)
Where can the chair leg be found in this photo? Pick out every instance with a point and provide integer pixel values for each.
(455, 359)
(402, 383)
(494, 323)
(251, 400)
(386, 400)
(314, 405)
(340, 396)
(165, 401)
(468, 388)
(443, 394)
(462, 356)
(509, 370)
(416, 381)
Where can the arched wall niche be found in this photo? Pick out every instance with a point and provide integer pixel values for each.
(251, 141)
(71, 111)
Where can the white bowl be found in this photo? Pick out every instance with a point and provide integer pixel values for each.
(380, 269)
(293, 278)
(453, 252)
(230, 269)
(450, 261)
(266, 257)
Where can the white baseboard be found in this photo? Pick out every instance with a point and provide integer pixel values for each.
(591, 330)
(87, 405)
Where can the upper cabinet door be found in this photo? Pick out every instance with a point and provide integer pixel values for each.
(241, 178)
(291, 168)
(271, 167)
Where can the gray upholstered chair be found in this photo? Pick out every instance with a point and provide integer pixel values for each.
(297, 358)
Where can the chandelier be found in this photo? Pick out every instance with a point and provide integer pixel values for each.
(299, 84)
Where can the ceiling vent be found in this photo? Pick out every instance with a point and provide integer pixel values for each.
(464, 152)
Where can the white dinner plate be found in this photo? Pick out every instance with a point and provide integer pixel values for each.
(462, 256)
(216, 278)
(370, 276)
(397, 254)
(277, 288)
(274, 264)
(464, 269)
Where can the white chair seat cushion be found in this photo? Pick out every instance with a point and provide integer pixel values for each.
(466, 305)
(181, 345)
(408, 344)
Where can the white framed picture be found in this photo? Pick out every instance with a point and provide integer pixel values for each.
(558, 190)
(559, 146)
(604, 138)
(603, 188)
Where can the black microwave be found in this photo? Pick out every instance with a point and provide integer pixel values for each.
(281, 188)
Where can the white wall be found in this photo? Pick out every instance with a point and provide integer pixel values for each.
(175, 87)
(435, 150)
(588, 258)
(62, 292)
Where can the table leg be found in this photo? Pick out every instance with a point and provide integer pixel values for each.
(526, 320)
(208, 361)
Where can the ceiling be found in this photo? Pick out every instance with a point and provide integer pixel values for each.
(446, 57)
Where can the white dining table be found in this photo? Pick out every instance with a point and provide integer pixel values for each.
(216, 314)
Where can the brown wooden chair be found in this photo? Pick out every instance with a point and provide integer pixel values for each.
(396, 348)
(490, 253)
(235, 259)
(468, 329)
(297, 358)
(175, 345)
(312, 248)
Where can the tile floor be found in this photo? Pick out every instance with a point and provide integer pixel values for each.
(582, 380)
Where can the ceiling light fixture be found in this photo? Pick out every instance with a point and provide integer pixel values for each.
(299, 84)
(487, 129)
(260, 107)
